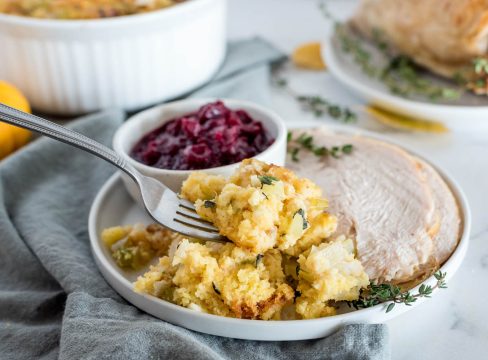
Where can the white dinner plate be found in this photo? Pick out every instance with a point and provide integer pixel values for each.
(113, 206)
(467, 113)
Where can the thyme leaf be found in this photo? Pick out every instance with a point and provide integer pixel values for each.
(215, 288)
(376, 294)
(302, 214)
(208, 204)
(297, 295)
(259, 258)
(403, 77)
(306, 142)
(347, 149)
(320, 151)
(267, 180)
(480, 65)
(317, 105)
(477, 76)
(294, 154)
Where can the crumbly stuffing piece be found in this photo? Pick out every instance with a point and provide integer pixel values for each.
(134, 246)
(230, 281)
(281, 264)
(262, 207)
(223, 280)
(328, 272)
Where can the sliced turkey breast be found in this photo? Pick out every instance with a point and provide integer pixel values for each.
(447, 209)
(445, 36)
(380, 197)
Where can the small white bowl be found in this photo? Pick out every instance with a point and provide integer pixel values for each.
(71, 67)
(144, 122)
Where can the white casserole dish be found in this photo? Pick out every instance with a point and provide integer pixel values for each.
(71, 67)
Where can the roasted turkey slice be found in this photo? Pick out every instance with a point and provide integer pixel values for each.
(447, 210)
(384, 198)
(442, 35)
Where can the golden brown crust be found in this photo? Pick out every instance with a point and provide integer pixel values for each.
(80, 9)
(442, 35)
(263, 309)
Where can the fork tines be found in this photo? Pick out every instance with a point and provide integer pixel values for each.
(188, 216)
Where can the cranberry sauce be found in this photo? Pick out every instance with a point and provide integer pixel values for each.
(213, 136)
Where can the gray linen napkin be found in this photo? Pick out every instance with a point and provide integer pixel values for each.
(53, 300)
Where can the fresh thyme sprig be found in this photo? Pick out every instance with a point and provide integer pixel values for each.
(478, 82)
(382, 293)
(480, 66)
(306, 142)
(318, 105)
(401, 75)
(353, 46)
(326, 13)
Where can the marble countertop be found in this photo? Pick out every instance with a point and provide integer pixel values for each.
(453, 324)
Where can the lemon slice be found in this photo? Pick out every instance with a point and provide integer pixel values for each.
(308, 56)
(404, 122)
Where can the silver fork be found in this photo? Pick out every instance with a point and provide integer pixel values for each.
(164, 206)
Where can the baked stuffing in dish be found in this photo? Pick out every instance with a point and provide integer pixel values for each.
(81, 9)
(281, 262)
(262, 207)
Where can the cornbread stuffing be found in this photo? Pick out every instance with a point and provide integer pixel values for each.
(263, 206)
(81, 9)
(281, 263)
(328, 272)
(220, 279)
(134, 246)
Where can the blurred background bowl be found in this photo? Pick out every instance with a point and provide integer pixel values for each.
(70, 67)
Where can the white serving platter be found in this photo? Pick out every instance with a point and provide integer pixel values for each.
(467, 113)
(113, 206)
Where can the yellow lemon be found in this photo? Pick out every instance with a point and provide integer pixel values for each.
(308, 56)
(21, 136)
(12, 137)
(7, 144)
(405, 122)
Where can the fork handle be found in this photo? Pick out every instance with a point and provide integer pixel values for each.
(68, 136)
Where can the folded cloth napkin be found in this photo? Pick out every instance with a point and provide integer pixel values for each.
(55, 303)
